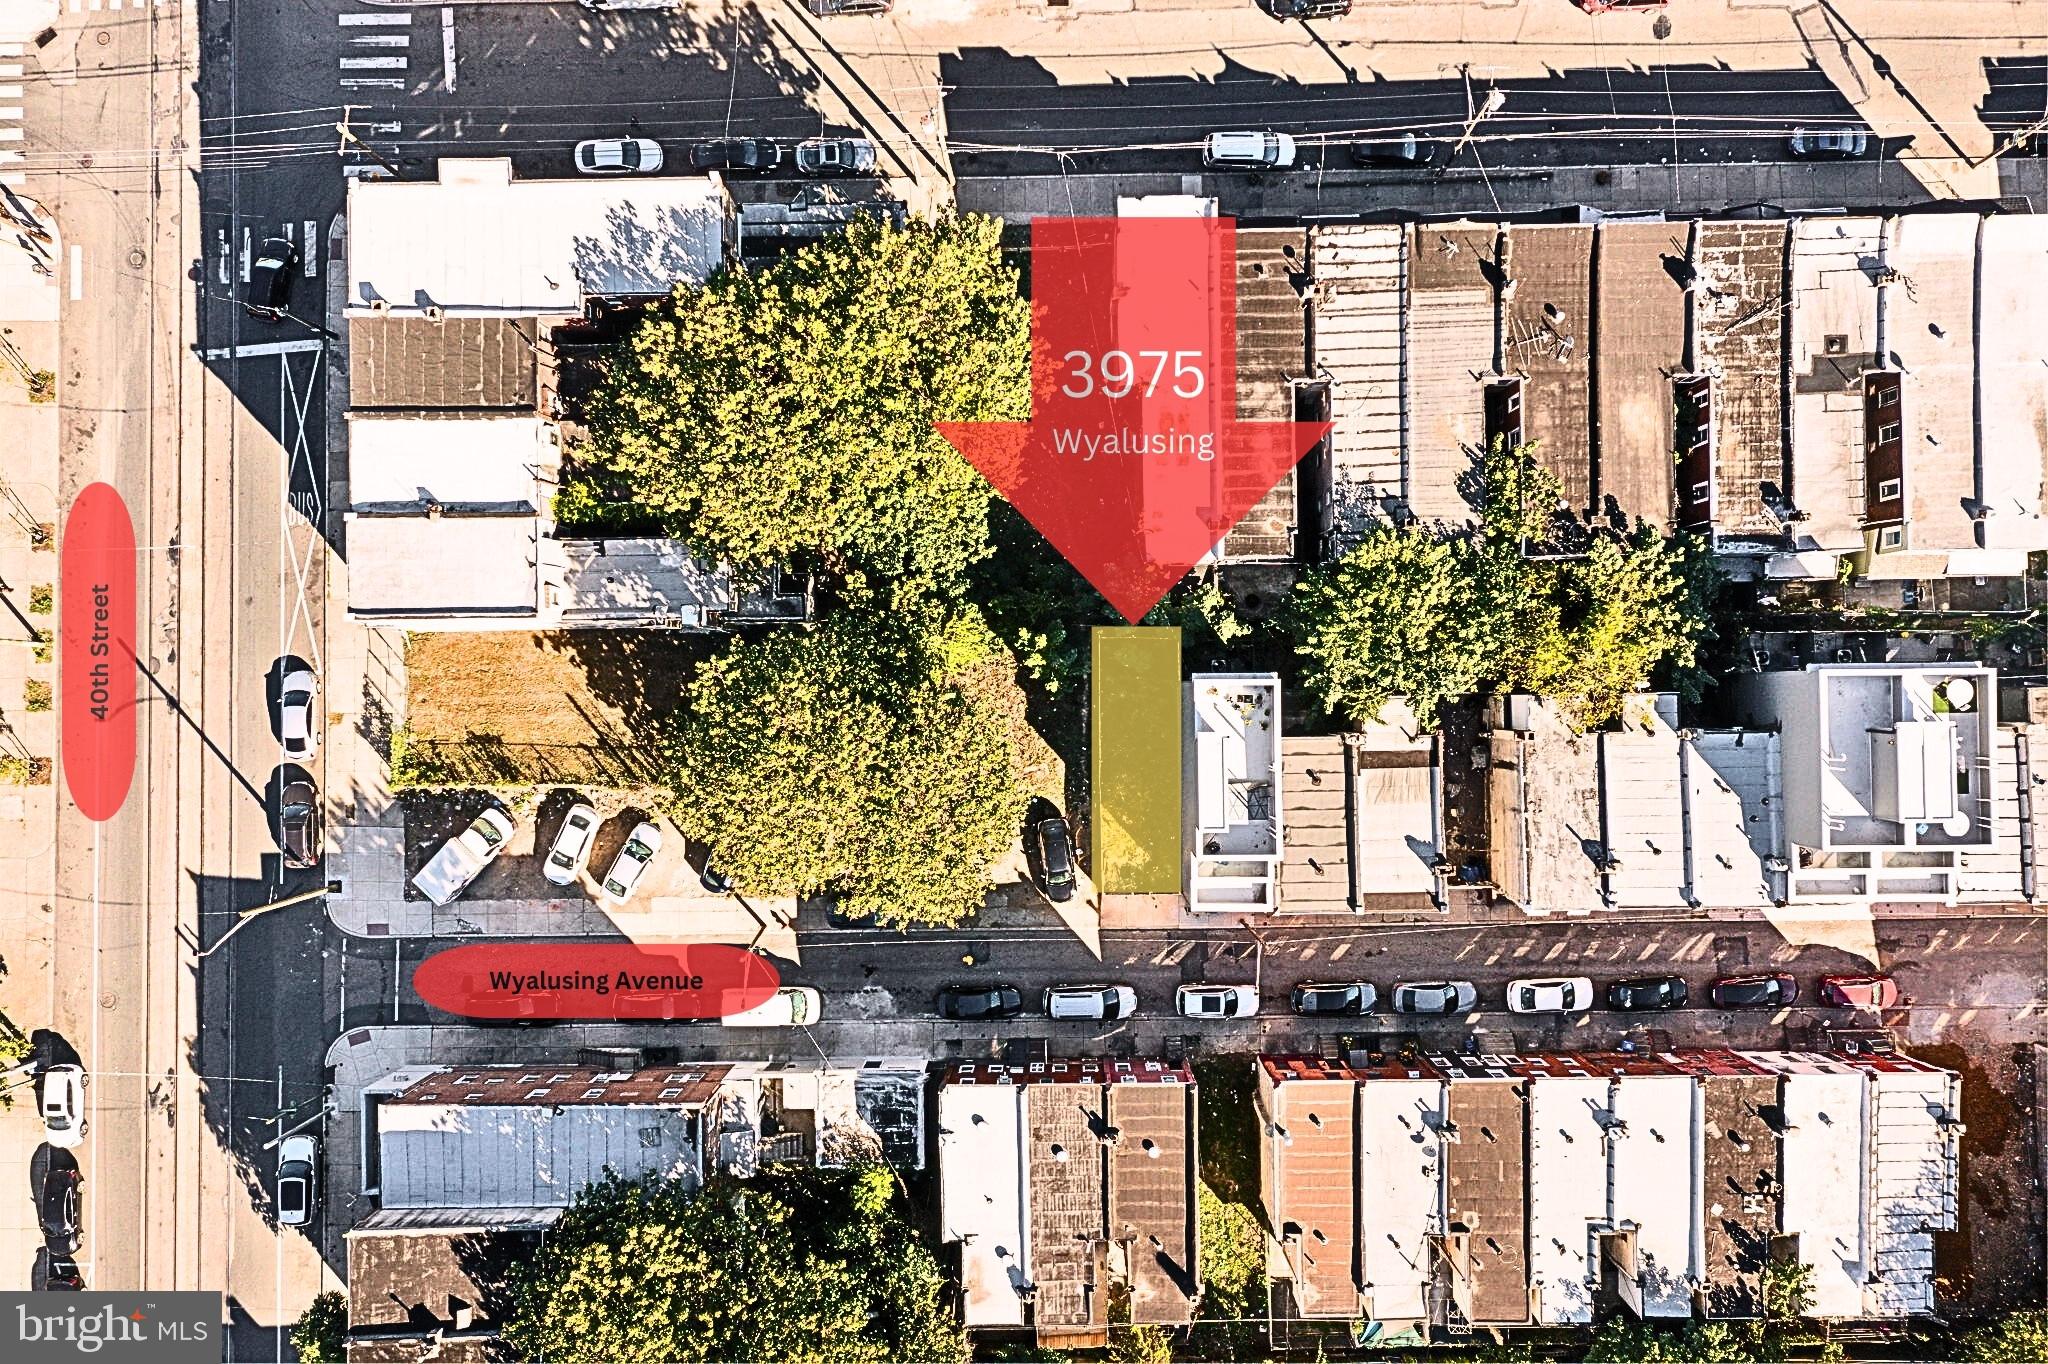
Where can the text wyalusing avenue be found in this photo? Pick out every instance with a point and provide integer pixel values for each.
(596, 982)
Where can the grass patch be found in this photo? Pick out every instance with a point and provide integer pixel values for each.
(35, 694)
(42, 599)
(42, 649)
(1230, 1128)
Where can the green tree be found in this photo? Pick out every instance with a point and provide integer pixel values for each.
(800, 1263)
(853, 758)
(1623, 1339)
(320, 1335)
(1139, 1345)
(1385, 621)
(2018, 1338)
(784, 415)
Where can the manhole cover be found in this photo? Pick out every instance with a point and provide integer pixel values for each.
(109, 1000)
(103, 38)
(136, 258)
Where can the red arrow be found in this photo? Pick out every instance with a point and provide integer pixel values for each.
(1134, 464)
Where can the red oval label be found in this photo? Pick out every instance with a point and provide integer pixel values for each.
(96, 651)
(596, 981)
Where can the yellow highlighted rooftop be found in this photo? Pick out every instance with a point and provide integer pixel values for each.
(1135, 759)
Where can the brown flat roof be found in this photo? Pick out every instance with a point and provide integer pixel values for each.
(1315, 791)
(460, 362)
(1272, 350)
(1152, 1197)
(1066, 1163)
(555, 1086)
(1740, 322)
(1549, 339)
(421, 1279)
(1486, 1199)
(1544, 804)
(1638, 344)
(1315, 1191)
(1739, 1182)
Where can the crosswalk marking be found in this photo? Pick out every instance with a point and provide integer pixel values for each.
(371, 83)
(373, 63)
(398, 20)
(382, 40)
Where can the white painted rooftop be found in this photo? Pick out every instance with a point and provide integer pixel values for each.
(1567, 1194)
(1400, 1194)
(1233, 762)
(444, 569)
(524, 1155)
(475, 241)
(1913, 1186)
(1361, 297)
(475, 461)
(1929, 333)
(1834, 339)
(1653, 1175)
(1824, 1190)
(982, 1197)
(2012, 375)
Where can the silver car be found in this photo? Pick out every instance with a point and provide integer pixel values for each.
(1435, 997)
(296, 1181)
(571, 848)
(1216, 1001)
(1559, 995)
(632, 862)
(63, 1105)
(835, 156)
(1091, 1001)
(618, 156)
(296, 727)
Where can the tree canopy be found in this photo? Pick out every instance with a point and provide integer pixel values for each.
(2018, 1338)
(320, 1335)
(854, 758)
(1432, 612)
(797, 1264)
(784, 414)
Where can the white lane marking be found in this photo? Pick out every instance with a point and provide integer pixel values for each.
(77, 273)
(10, 112)
(95, 4)
(10, 92)
(312, 256)
(382, 40)
(399, 20)
(263, 348)
(245, 255)
(370, 83)
(10, 134)
(448, 48)
(373, 63)
(223, 255)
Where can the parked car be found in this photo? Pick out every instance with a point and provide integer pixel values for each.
(1308, 9)
(570, 852)
(1763, 991)
(1435, 997)
(1871, 991)
(1646, 994)
(452, 869)
(825, 9)
(1349, 1000)
(792, 1006)
(296, 1180)
(835, 156)
(618, 156)
(1091, 1001)
(1257, 149)
(1406, 149)
(298, 824)
(1216, 1001)
(61, 1274)
(755, 154)
(63, 1105)
(297, 726)
(971, 1002)
(632, 862)
(269, 286)
(63, 1188)
(837, 916)
(1055, 858)
(1824, 146)
(1558, 995)
(714, 880)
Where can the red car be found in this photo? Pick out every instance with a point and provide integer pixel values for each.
(1859, 992)
(1765, 991)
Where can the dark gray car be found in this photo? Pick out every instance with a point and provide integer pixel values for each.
(835, 156)
(298, 825)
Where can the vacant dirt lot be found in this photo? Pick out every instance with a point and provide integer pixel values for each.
(504, 708)
(1992, 1263)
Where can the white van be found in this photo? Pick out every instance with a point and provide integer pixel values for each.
(1091, 1001)
(792, 1006)
(464, 855)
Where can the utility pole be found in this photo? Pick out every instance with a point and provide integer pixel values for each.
(348, 136)
(242, 919)
(1474, 116)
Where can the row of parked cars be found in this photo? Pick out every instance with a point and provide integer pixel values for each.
(1534, 995)
(1265, 149)
(462, 858)
(733, 155)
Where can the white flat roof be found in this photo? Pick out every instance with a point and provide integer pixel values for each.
(1731, 777)
(1654, 1178)
(1361, 302)
(467, 461)
(1929, 334)
(981, 1198)
(418, 566)
(1567, 1194)
(2012, 377)
(1834, 335)
(476, 241)
(1822, 1171)
(1400, 1171)
(1913, 1186)
(523, 1155)
(1643, 810)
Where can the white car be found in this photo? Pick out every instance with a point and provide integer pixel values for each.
(1216, 1001)
(792, 1006)
(1844, 145)
(296, 728)
(631, 863)
(1256, 149)
(296, 1180)
(464, 855)
(64, 1105)
(618, 156)
(571, 848)
(1435, 997)
(1563, 995)
(1091, 1001)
